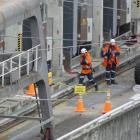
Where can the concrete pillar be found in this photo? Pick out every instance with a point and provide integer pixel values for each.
(89, 20)
(97, 25)
(114, 17)
(83, 22)
(11, 35)
(55, 11)
(128, 14)
(135, 12)
(138, 27)
(75, 21)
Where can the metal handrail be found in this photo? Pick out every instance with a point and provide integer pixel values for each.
(19, 65)
(125, 34)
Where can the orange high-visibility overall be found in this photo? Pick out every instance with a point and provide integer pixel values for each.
(110, 54)
(87, 68)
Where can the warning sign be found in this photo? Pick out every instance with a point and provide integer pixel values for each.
(80, 89)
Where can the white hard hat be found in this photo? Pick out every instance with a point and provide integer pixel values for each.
(83, 50)
(112, 41)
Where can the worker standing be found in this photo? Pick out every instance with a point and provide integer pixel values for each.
(87, 70)
(110, 52)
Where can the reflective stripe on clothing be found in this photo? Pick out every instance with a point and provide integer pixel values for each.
(112, 78)
(82, 76)
(89, 76)
(113, 71)
(87, 68)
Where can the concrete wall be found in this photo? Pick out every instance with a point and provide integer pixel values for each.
(11, 35)
(135, 10)
(123, 123)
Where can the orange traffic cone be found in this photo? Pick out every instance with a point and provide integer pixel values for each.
(80, 107)
(107, 105)
(31, 90)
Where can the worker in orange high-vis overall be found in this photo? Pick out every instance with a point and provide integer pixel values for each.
(110, 52)
(87, 70)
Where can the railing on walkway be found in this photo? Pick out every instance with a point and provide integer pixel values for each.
(123, 36)
(121, 39)
(21, 64)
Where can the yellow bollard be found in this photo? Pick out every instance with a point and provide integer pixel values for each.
(50, 80)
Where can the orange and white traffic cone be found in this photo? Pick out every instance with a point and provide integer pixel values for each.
(107, 105)
(31, 90)
(80, 107)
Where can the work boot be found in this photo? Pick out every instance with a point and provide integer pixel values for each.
(108, 82)
(114, 82)
(96, 87)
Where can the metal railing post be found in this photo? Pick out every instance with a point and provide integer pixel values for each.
(11, 66)
(19, 57)
(19, 65)
(3, 74)
(36, 58)
(28, 62)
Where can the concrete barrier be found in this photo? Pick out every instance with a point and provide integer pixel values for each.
(122, 123)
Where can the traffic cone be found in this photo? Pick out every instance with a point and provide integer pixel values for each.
(80, 107)
(107, 105)
(31, 90)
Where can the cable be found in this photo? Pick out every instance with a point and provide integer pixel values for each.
(27, 98)
(91, 4)
(68, 47)
(36, 37)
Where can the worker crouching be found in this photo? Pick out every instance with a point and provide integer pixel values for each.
(86, 65)
(110, 52)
